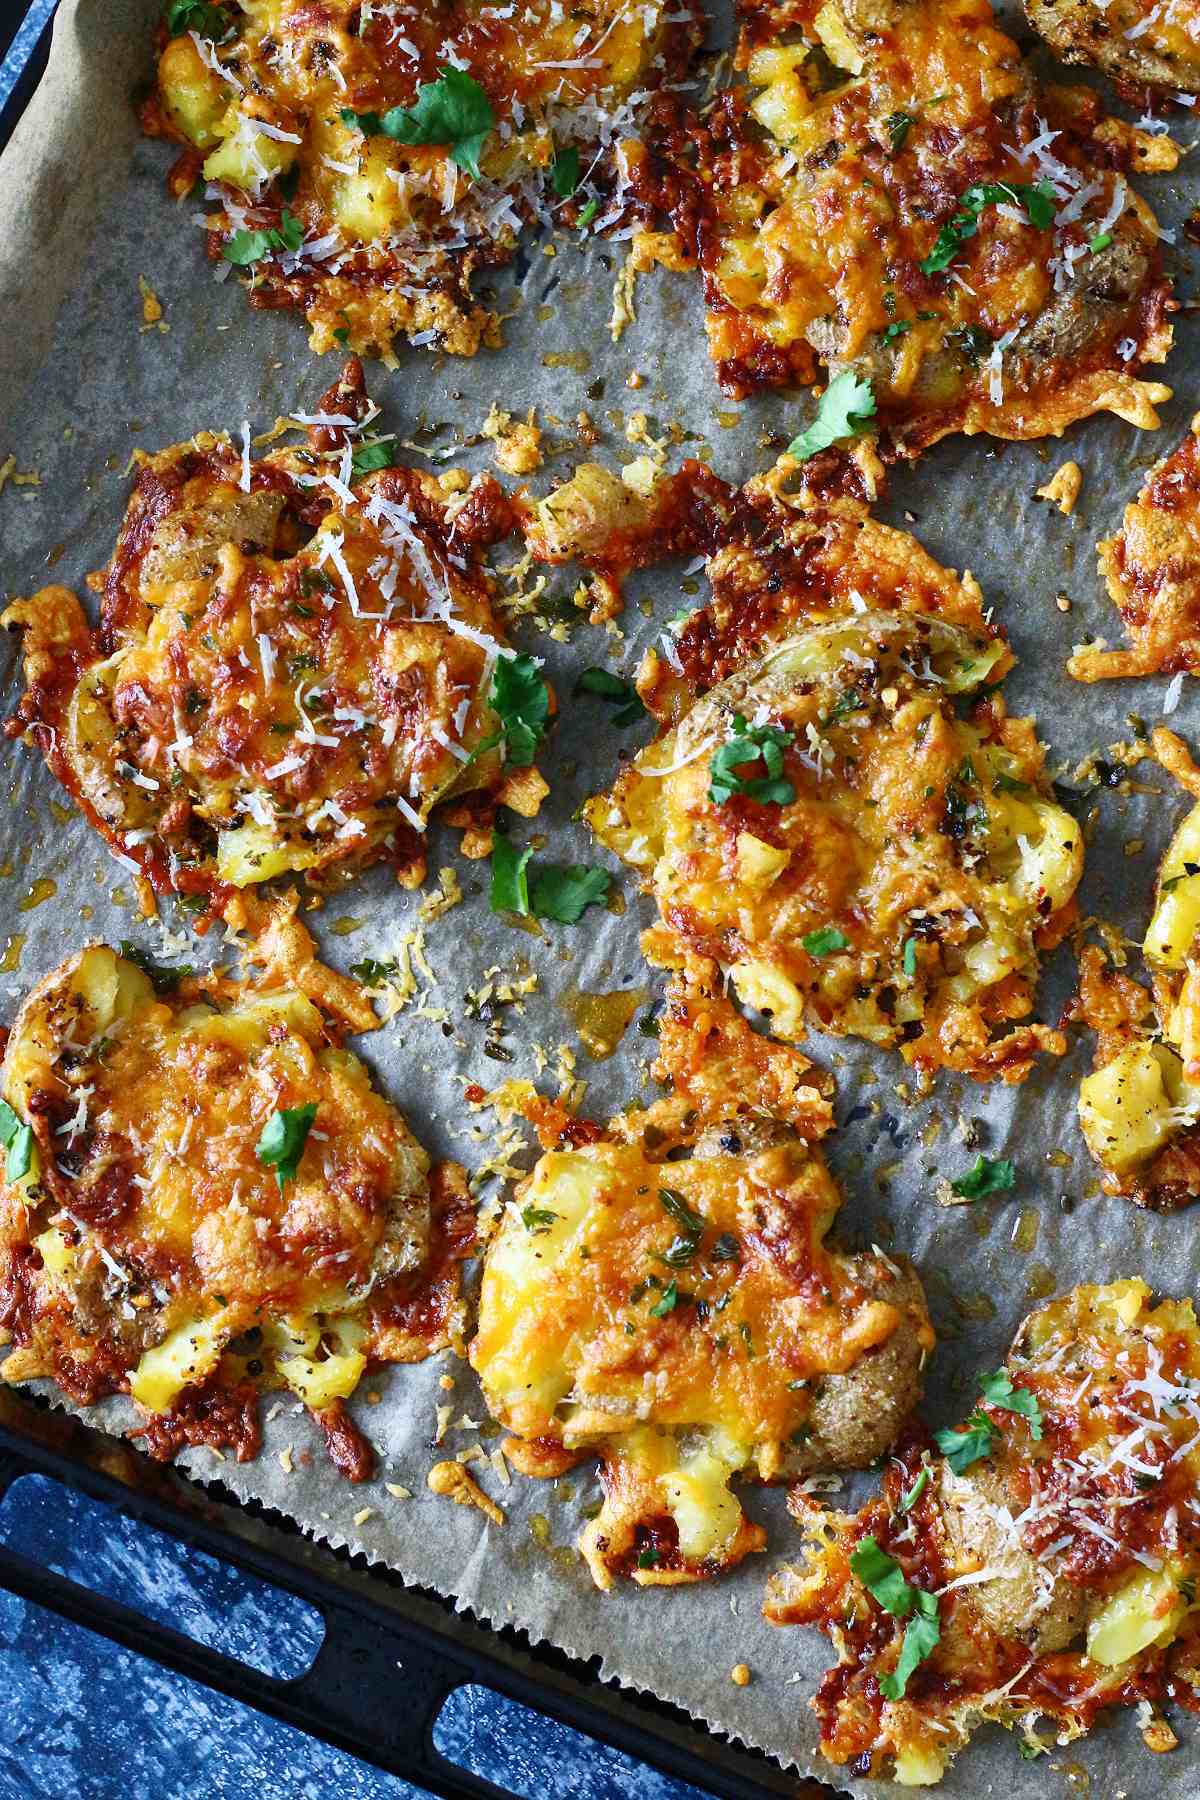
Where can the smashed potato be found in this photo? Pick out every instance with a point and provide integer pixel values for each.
(1140, 43)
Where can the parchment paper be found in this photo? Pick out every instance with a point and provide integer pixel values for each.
(83, 213)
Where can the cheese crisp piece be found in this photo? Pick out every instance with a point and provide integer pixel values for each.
(361, 163)
(204, 1197)
(292, 665)
(1139, 1109)
(685, 1320)
(1152, 568)
(837, 813)
(1140, 43)
(1042, 1570)
(894, 196)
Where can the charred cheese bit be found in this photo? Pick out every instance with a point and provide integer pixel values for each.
(1139, 1108)
(161, 1249)
(848, 226)
(686, 1322)
(1150, 568)
(303, 668)
(1059, 1564)
(374, 238)
(1139, 42)
(899, 883)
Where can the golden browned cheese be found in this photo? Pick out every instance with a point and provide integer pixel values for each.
(1140, 43)
(893, 871)
(1152, 568)
(684, 1319)
(292, 666)
(1139, 1110)
(929, 219)
(156, 1236)
(1055, 1569)
(521, 113)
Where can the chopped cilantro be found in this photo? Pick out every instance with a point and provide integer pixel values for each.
(342, 335)
(1037, 202)
(510, 884)
(882, 1577)
(825, 941)
(847, 406)
(537, 1218)
(986, 1177)
(962, 1448)
(564, 894)
(196, 15)
(369, 457)
(283, 1139)
(564, 172)
(751, 744)
(921, 1637)
(246, 247)
(667, 1301)
(998, 1390)
(649, 1559)
(909, 1500)
(1101, 241)
(373, 974)
(522, 700)
(17, 1139)
(910, 957)
(610, 687)
(453, 111)
(848, 702)
(163, 980)
(972, 340)
(587, 214)
(897, 329)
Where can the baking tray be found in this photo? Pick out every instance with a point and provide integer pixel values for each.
(391, 1654)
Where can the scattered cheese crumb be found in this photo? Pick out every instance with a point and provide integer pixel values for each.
(397, 1492)
(368, 1512)
(285, 1460)
(740, 1675)
(446, 1383)
(152, 312)
(443, 1420)
(1063, 487)
(452, 1480)
(519, 446)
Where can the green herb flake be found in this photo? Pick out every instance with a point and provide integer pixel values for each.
(666, 1303)
(453, 111)
(283, 1139)
(163, 980)
(587, 214)
(909, 959)
(998, 1390)
(369, 457)
(909, 1500)
(825, 942)
(921, 1637)
(649, 1559)
(17, 1139)
(846, 409)
(677, 1208)
(246, 247)
(751, 744)
(1036, 201)
(564, 172)
(206, 21)
(986, 1177)
(373, 974)
(538, 1219)
(622, 694)
(882, 1577)
(898, 125)
(510, 884)
(897, 329)
(971, 1445)
(1101, 241)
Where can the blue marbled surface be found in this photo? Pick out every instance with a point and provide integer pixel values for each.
(85, 1720)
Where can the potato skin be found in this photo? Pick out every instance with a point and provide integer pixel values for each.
(1016, 1604)
(1080, 31)
(856, 1417)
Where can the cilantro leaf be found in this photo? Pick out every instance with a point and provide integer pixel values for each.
(921, 1637)
(610, 687)
(537, 1218)
(196, 15)
(246, 247)
(163, 980)
(283, 1139)
(998, 1390)
(17, 1140)
(510, 884)
(564, 894)
(453, 111)
(847, 406)
(883, 1577)
(825, 941)
(1037, 201)
(369, 457)
(962, 1448)
(986, 1177)
(564, 171)
(373, 974)
(522, 700)
(750, 744)
(667, 1302)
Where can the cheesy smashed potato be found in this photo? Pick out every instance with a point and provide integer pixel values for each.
(1140, 1108)
(204, 1196)
(836, 811)
(1043, 1568)
(1152, 569)
(682, 1317)
(1140, 43)
(362, 162)
(930, 220)
(292, 665)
